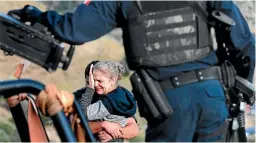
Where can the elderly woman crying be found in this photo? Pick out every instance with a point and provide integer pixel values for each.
(104, 100)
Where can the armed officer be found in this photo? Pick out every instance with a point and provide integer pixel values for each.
(172, 42)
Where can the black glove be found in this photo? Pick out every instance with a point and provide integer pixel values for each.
(27, 14)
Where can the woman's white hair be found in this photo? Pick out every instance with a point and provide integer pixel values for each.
(115, 69)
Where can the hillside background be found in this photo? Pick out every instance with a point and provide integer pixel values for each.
(108, 47)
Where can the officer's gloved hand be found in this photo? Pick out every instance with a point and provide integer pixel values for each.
(27, 14)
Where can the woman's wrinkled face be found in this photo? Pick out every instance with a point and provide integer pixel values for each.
(103, 82)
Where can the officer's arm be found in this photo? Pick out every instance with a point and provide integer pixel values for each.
(240, 34)
(87, 23)
(251, 53)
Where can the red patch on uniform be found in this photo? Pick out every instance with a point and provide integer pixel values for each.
(87, 2)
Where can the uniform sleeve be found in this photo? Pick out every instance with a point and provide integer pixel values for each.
(88, 22)
(240, 34)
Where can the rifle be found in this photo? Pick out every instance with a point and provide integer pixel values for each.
(33, 42)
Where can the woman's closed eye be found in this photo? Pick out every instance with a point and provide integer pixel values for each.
(100, 81)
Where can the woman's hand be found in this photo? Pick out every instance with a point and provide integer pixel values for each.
(14, 100)
(104, 136)
(110, 127)
(91, 79)
(116, 135)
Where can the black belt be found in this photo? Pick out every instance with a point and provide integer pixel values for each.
(191, 77)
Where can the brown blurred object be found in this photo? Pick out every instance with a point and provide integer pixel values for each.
(14, 100)
(52, 101)
(35, 126)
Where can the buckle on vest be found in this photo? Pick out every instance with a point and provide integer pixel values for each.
(175, 81)
(199, 75)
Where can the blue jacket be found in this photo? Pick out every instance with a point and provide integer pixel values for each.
(118, 102)
(96, 19)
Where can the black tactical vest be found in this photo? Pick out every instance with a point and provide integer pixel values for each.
(165, 33)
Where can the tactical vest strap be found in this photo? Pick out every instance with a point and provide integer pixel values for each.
(200, 8)
(138, 3)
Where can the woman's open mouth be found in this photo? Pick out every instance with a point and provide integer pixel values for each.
(98, 90)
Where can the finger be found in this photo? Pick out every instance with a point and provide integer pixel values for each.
(13, 98)
(70, 109)
(106, 140)
(71, 117)
(91, 67)
(13, 101)
(53, 89)
(66, 100)
(101, 132)
(100, 136)
(41, 101)
(78, 120)
(114, 135)
(22, 96)
(50, 89)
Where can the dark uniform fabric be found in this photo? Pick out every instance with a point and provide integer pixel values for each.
(199, 108)
(164, 33)
(92, 21)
